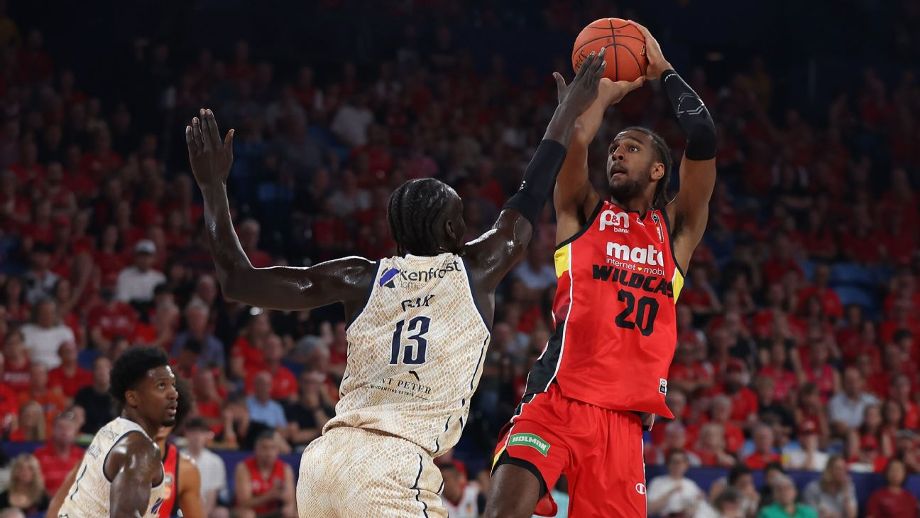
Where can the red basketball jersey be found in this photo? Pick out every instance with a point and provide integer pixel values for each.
(261, 485)
(614, 313)
(171, 472)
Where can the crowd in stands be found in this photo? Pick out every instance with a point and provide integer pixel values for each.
(799, 326)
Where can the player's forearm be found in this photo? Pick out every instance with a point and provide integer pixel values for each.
(228, 254)
(587, 125)
(692, 115)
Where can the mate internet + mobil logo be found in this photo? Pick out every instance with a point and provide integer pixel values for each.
(391, 275)
(648, 260)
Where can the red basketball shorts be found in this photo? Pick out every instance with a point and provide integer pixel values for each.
(598, 450)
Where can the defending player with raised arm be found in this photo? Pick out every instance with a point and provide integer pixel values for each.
(419, 323)
(619, 265)
(121, 474)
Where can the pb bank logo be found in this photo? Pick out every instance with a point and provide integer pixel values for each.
(649, 255)
(618, 220)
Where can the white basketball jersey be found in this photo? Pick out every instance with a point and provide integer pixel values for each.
(415, 353)
(89, 495)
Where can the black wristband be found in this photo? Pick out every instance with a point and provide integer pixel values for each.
(692, 116)
(538, 181)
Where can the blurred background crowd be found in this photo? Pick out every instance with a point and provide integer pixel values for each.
(799, 328)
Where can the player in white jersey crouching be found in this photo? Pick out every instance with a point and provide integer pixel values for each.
(121, 474)
(419, 323)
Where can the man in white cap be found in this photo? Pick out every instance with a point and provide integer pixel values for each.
(136, 283)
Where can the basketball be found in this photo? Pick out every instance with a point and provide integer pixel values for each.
(625, 56)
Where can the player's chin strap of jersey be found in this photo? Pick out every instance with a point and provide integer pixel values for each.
(539, 179)
(692, 116)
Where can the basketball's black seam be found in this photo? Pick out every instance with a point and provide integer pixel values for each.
(616, 58)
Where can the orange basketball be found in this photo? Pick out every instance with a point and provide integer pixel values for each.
(625, 55)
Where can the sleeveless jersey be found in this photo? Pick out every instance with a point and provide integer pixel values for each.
(261, 485)
(89, 495)
(171, 481)
(614, 313)
(415, 353)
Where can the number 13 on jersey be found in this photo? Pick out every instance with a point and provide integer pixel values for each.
(412, 353)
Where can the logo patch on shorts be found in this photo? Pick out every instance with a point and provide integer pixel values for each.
(640, 488)
(663, 386)
(529, 439)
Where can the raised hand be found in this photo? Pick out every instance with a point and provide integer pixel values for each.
(209, 155)
(583, 90)
(615, 91)
(656, 61)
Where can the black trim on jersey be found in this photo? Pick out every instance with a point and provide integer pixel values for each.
(437, 445)
(667, 225)
(504, 458)
(469, 282)
(105, 461)
(367, 297)
(478, 363)
(76, 484)
(441, 488)
(418, 491)
(544, 370)
(597, 210)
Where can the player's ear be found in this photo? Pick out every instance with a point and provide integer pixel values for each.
(657, 171)
(131, 398)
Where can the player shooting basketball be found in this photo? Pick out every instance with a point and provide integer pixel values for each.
(419, 323)
(620, 264)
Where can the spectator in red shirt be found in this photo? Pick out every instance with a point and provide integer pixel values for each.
(30, 427)
(764, 449)
(781, 260)
(777, 367)
(744, 400)
(110, 319)
(902, 392)
(721, 414)
(249, 240)
(893, 499)
(830, 301)
(17, 365)
(69, 377)
(710, 447)
(52, 401)
(284, 384)
(9, 404)
(247, 355)
(60, 454)
(816, 369)
(699, 295)
(209, 400)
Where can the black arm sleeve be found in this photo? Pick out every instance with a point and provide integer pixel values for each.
(539, 179)
(692, 116)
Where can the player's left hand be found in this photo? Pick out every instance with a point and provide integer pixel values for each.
(615, 91)
(656, 61)
(209, 155)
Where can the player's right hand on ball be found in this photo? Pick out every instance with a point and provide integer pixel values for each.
(614, 92)
(582, 91)
(209, 155)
